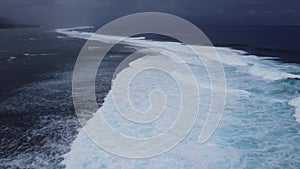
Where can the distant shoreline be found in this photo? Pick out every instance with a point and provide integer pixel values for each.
(4, 26)
(8, 24)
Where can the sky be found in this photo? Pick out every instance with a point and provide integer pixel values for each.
(201, 12)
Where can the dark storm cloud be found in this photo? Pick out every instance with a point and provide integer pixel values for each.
(201, 11)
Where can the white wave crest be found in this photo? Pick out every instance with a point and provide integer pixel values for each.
(71, 32)
(296, 103)
(269, 73)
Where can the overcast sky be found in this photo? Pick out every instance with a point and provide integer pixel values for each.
(205, 12)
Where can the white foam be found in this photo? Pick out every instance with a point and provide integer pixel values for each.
(71, 32)
(35, 39)
(61, 37)
(85, 154)
(38, 54)
(76, 28)
(269, 73)
(185, 155)
(296, 103)
(11, 58)
(227, 56)
(42, 54)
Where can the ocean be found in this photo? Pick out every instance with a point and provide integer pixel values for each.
(259, 129)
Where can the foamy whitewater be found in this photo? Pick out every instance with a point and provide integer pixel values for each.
(259, 129)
